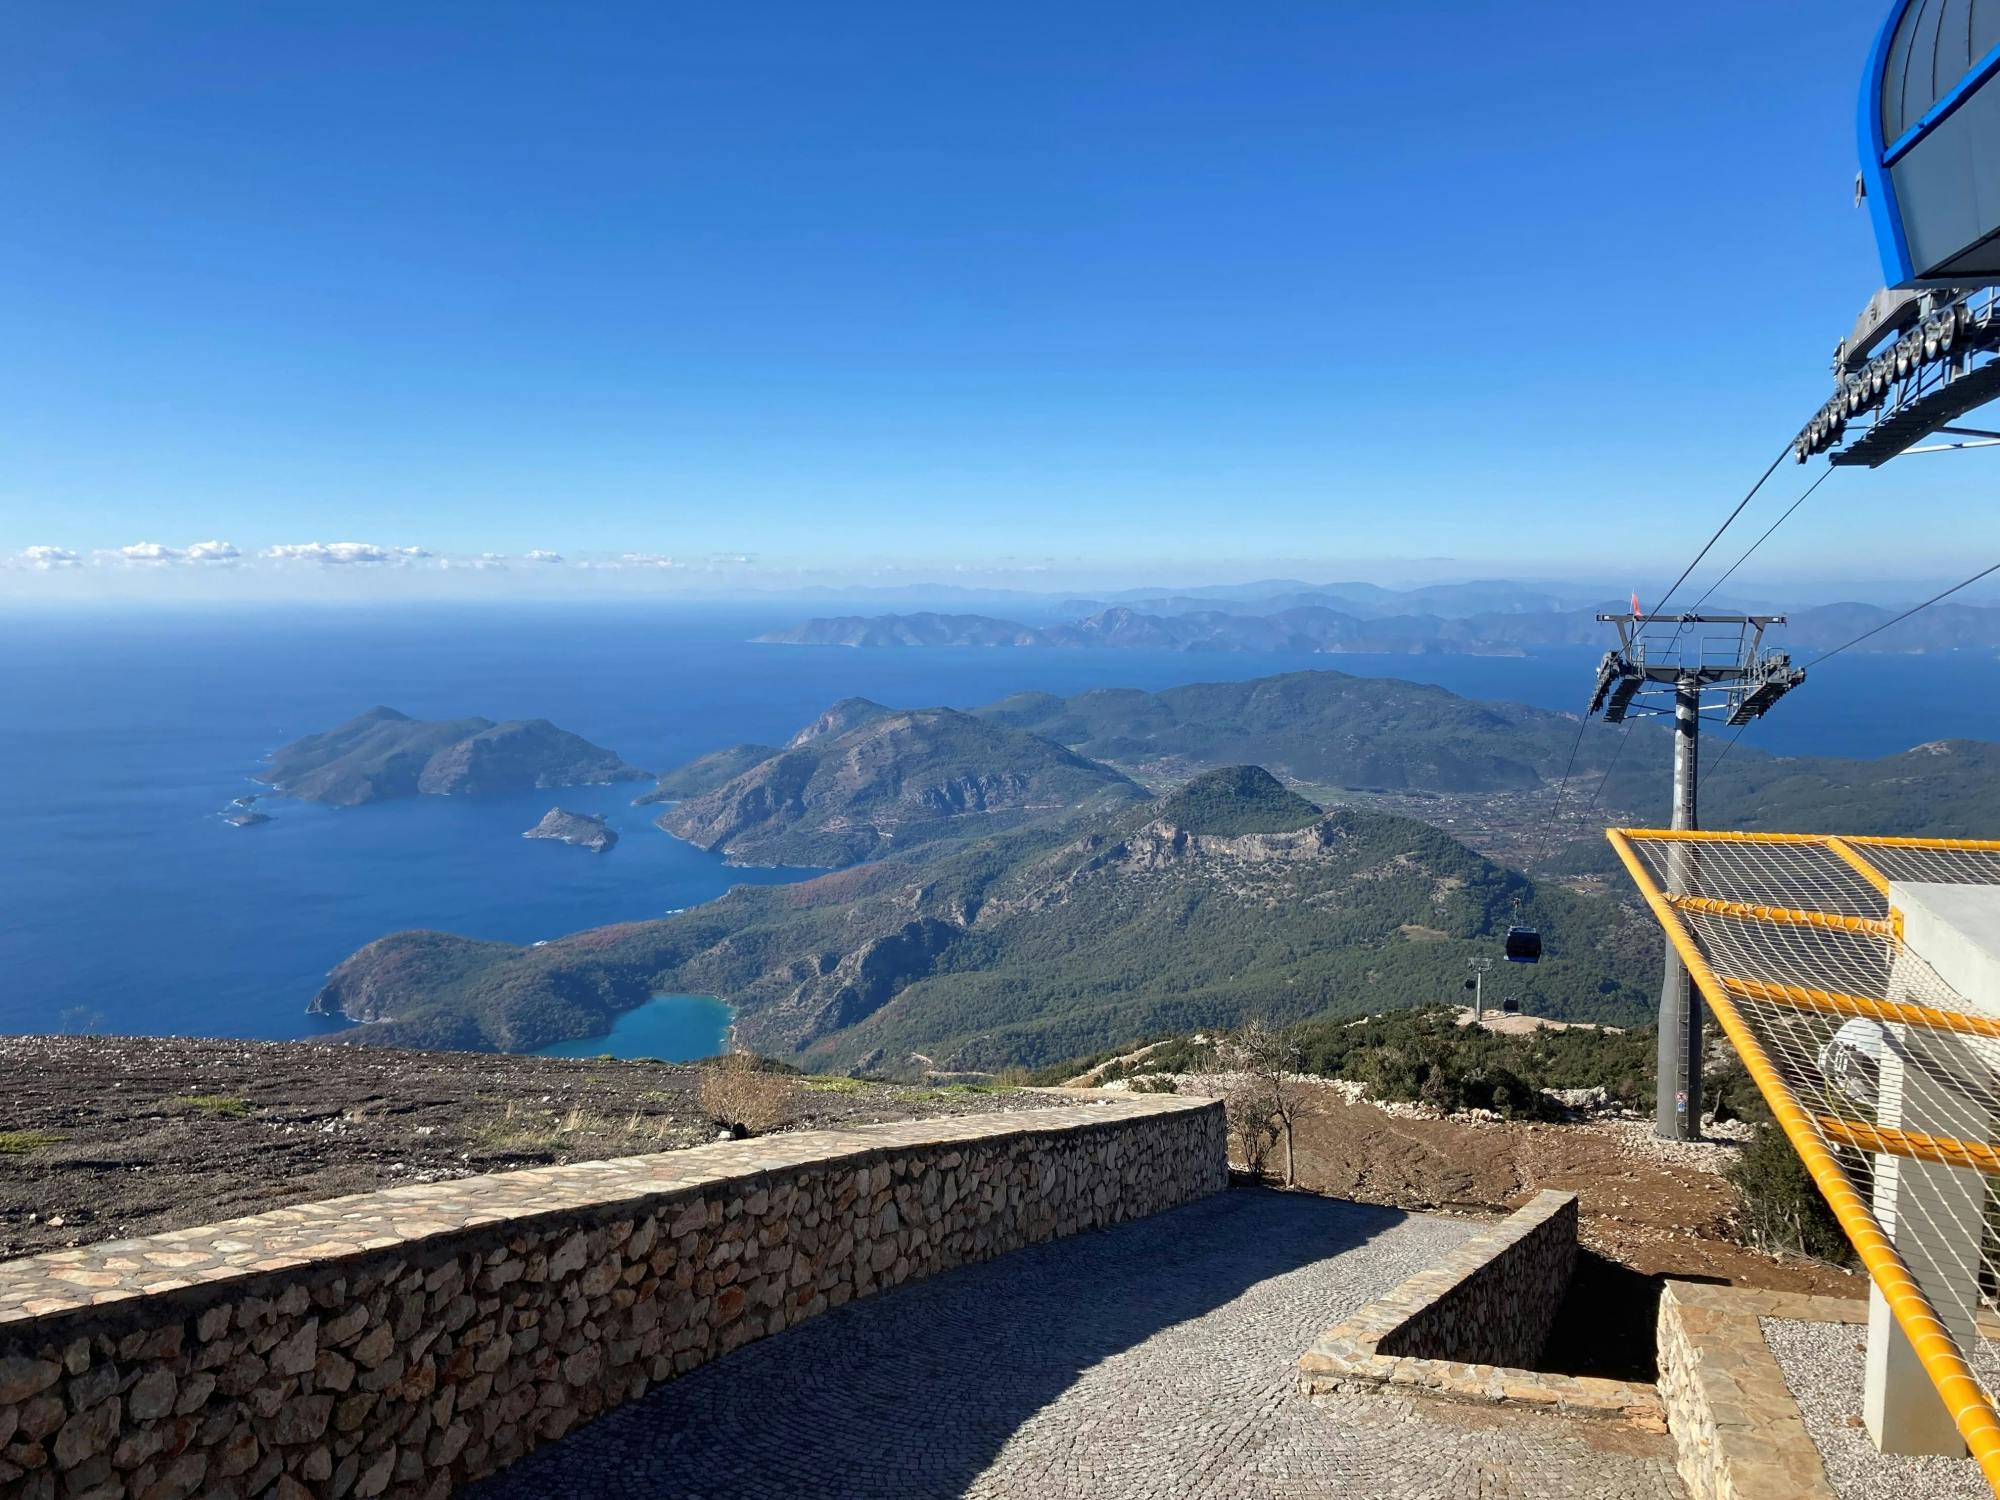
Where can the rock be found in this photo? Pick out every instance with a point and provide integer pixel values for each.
(297, 1353)
(585, 830)
(21, 1377)
(375, 1346)
(152, 1396)
(86, 1434)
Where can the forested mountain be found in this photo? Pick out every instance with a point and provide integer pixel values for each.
(1327, 728)
(861, 782)
(1331, 730)
(1039, 944)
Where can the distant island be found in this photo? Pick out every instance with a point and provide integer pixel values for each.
(585, 830)
(382, 754)
(244, 817)
(1301, 623)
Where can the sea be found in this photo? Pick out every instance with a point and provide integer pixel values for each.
(127, 906)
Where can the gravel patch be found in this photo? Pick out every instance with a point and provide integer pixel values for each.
(1717, 1151)
(1822, 1363)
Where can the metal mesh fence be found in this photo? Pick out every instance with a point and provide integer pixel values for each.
(1885, 1078)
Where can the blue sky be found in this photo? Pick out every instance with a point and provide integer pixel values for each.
(776, 291)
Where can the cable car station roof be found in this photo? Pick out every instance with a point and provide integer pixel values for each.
(1929, 160)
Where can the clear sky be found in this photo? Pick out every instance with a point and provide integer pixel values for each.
(891, 290)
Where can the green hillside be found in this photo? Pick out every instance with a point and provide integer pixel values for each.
(1327, 728)
(1040, 944)
(1237, 799)
(846, 791)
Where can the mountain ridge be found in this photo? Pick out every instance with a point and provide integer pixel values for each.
(862, 779)
(1323, 623)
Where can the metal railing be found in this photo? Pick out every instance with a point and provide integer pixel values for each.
(1869, 1061)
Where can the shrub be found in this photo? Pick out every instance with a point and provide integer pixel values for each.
(745, 1097)
(834, 1083)
(215, 1106)
(1783, 1212)
(21, 1142)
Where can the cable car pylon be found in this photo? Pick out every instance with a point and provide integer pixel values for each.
(1728, 673)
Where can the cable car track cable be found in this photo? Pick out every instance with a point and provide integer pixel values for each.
(1661, 607)
(1829, 655)
(1556, 819)
(1562, 785)
(1827, 474)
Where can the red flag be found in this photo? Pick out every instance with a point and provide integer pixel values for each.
(1636, 611)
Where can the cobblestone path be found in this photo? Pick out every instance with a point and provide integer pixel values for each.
(1155, 1359)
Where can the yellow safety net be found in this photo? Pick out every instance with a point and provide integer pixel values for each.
(1885, 1078)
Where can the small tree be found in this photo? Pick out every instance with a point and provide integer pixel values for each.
(746, 1097)
(1269, 1057)
(1783, 1212)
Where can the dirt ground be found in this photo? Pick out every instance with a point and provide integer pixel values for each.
(1651, 1214)
(108, 1137)
(105, 1137)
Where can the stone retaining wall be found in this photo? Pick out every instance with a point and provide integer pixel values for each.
(1738, 1434)
(400, 1343)
(1494, 1299)
(1467, 1326)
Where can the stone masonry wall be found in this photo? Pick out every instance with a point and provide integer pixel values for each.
(1493, 1300)
(400, 1343)
(1738, 1434)
(1466, 1327)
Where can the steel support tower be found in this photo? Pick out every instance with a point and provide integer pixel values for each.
(1714, 664)
(1480, 967)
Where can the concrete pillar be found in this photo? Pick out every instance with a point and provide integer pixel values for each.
(1934, 1214)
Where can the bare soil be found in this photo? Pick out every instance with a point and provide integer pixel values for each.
(1655, 1217)
(109, 1137)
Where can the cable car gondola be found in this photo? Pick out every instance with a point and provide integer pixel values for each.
(1524, 945)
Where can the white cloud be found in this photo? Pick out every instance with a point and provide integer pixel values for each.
(47, 559)
(731, 559)
(160, 555)
(645, 560)
(541, 556)
(151, 554)
(343, 554)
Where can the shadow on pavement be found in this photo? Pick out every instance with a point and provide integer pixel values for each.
(914, 1393)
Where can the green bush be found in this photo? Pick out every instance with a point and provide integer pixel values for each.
(1425, 1055)
(1783, 1212)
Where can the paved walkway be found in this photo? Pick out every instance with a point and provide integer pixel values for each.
(1153, 1360)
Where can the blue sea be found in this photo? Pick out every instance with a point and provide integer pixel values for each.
(128, 906)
